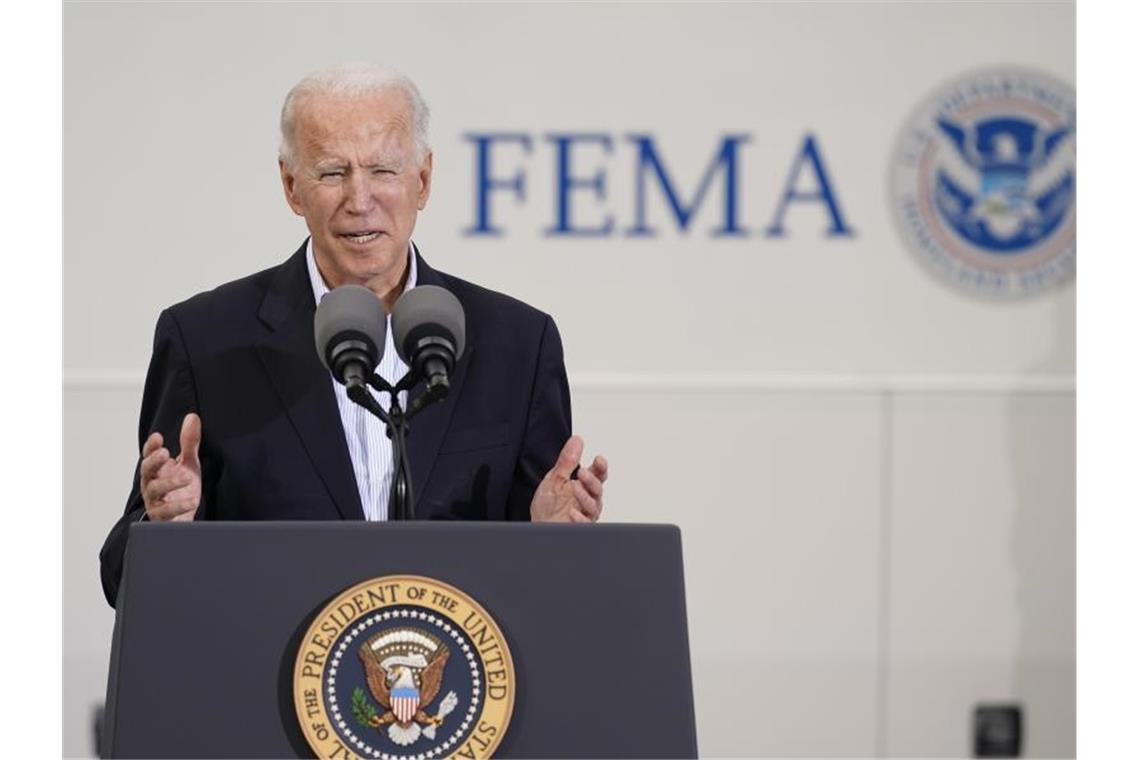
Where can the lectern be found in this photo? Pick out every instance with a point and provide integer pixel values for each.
(213, 621)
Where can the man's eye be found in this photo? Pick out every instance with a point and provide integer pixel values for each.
(331, 175)
(383, 171)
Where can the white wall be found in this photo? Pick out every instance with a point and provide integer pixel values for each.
(874, 473)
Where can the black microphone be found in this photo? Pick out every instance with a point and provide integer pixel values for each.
(429, 328)
(350, 328)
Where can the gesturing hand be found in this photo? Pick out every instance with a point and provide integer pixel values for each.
(560, 499)
(172, 488)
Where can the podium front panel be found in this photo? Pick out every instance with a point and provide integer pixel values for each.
(211, 615)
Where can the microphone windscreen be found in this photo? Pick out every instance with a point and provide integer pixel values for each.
(428, 311)
(350, 309)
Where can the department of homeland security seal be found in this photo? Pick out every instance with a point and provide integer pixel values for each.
(984, 182)
(403, 667)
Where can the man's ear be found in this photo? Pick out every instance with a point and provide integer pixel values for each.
(289, 184)
(425, 182)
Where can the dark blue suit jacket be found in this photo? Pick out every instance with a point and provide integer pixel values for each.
(243, 357)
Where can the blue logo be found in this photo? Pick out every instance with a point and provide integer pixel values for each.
(984, 183)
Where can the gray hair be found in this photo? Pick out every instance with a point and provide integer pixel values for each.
(353, 80)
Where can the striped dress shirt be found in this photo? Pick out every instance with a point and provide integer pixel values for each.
(368, 443)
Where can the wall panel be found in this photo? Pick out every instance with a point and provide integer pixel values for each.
(982, 603)
(99, 453)
(777, 495)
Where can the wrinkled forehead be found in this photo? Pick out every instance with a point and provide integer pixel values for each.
(377, 126)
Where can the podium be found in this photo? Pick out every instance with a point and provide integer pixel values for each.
(211, 617)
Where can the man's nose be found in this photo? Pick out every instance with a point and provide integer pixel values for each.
(358, 193)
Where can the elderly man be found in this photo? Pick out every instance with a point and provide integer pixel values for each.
(264, 432)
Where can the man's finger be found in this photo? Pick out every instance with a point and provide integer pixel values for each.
(168, 468)
(568, 458)
(578, 517)
(168, 510)
(152, 444)
(600, 468)
(586, 503)
(591, 481)
(152, 463)
(158, 488)
(189, 439)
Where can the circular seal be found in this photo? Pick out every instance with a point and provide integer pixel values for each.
(983, 182)
(403, 667)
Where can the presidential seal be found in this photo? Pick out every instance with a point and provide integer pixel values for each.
(403, 668)
(984, 182)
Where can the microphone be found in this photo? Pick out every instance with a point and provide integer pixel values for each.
(430, 329)
(350, 328)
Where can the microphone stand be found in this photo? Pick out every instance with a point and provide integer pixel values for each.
(401, 501)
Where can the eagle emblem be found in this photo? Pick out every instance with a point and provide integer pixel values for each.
(1007, 183)
(403, 668)
(984, 182)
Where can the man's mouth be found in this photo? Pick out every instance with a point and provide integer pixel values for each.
(360, 237)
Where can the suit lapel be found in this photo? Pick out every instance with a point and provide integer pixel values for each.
(426, 429)
(303, 384)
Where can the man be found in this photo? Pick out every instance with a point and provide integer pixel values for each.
(263, 430)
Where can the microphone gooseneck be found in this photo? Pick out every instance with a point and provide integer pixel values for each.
(429, 328)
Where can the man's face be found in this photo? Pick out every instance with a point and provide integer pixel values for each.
(356, 181)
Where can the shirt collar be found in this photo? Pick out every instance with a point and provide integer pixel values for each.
(320, 288)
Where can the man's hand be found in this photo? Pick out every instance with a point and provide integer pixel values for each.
(560, 499)
(172, 488)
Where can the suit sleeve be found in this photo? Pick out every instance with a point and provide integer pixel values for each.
(548, 423)
(168, 395)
